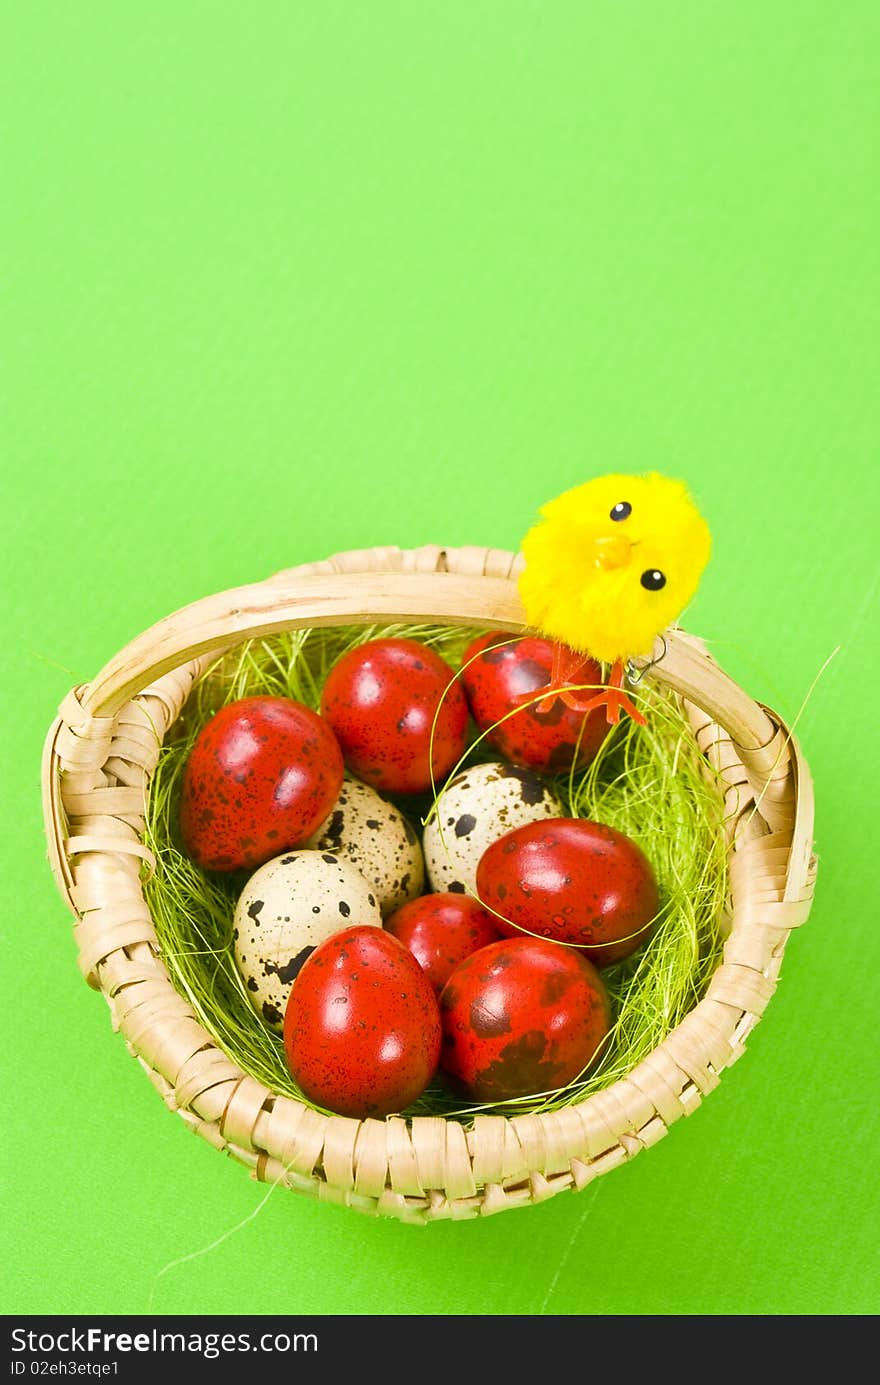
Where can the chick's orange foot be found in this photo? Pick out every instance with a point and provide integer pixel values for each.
(616, 700)
(564, 674)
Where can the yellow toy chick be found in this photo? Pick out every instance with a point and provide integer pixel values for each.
(609, 566)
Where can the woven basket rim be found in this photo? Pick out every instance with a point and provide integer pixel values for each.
(98, 758)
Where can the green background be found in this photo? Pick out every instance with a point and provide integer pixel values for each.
(283, 279)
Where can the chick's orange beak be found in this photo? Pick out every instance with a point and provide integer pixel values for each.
(611, 551)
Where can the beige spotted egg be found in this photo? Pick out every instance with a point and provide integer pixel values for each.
(364, 828)
(473, 810)
(288, 906)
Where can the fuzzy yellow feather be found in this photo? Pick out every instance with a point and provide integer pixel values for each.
(613, 563)
(610, 565)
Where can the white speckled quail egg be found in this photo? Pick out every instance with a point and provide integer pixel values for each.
(366, 829)
(288, 906)
(475, 809)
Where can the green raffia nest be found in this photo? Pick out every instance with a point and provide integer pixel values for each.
(650, 782)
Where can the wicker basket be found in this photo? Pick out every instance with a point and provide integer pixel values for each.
(98, 760)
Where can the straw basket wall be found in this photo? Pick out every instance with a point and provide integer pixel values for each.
(100, 754)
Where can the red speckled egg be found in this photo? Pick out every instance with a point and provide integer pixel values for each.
(362, 1025)
(572, 880)
(440, 930)
(545, 741)
(262, 775)
(521, 1017)
(380, 698)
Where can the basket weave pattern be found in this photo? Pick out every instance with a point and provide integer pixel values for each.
(98, 761)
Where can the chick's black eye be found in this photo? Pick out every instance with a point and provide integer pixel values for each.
(652, 580)
(622, 510)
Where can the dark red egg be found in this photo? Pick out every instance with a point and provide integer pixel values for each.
(442, 929)
(547, 741)
(381, 699)
(362, 1025)
(573, 880)
(521, 1017)
(262, 776)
